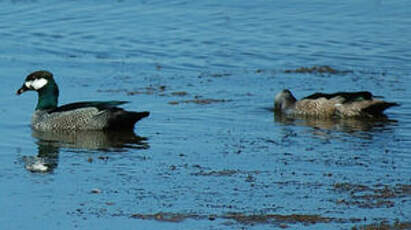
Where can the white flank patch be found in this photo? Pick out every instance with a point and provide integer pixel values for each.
(37, 83)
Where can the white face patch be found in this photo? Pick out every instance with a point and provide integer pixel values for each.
(36, 84)
(28, 84)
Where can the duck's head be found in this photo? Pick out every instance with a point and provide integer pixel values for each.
(284, 100)
(37, 81)
(43, 83)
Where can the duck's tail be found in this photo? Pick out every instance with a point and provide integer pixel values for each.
(364, 109)
(377, 108)
(125, 120)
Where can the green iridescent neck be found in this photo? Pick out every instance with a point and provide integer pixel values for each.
(48, 96)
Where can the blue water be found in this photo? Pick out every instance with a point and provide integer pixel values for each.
(230, 156)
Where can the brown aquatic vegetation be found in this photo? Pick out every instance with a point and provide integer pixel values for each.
(267, 218)
(200, 101)
(149, 90)
(384, 226)
(215, 75)
(325, 69)
(372, 197)
(248, 219)
(165, 216)
(216, 173)
(179, 93)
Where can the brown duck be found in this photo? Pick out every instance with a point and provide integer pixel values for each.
(335, 105)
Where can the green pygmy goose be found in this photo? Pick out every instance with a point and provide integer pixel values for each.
(87, 115)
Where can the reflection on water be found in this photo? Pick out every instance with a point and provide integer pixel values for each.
(45, 161)
(91, 139)
(49, 144)
(343, 125)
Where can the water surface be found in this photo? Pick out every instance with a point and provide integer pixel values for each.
(211, 155)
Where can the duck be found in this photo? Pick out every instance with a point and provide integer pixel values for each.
(360, 104)
(85, 115)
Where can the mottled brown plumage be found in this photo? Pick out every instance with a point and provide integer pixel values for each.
(340, 105)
